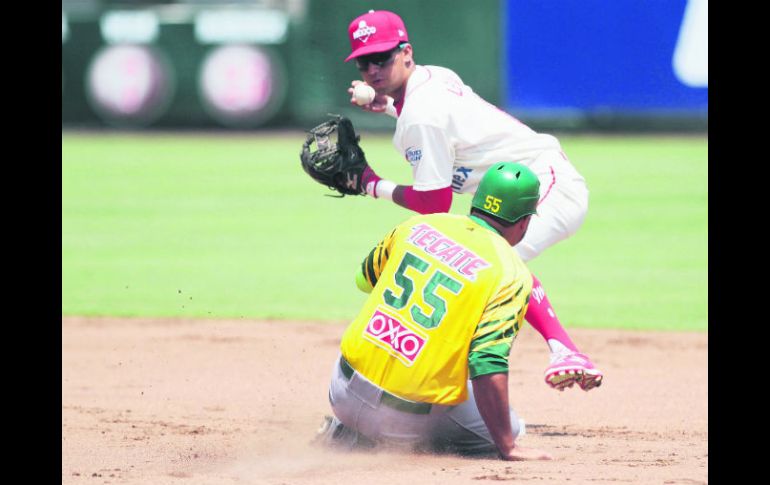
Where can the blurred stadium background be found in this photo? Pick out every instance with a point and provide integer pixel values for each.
(562, 65)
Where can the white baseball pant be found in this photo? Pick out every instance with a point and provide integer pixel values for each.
(562, 207)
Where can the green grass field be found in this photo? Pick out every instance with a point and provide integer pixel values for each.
(219, 226)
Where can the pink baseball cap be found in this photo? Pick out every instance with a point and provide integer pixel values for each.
(375, 31)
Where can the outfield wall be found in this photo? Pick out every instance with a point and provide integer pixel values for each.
(584, 64)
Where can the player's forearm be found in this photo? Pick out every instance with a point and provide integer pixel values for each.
(420, 201)
(398, 196)
(423, 202)
(491, 394)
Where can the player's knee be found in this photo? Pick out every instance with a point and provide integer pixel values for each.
(518, 428)
(527, 252)
(578, 216)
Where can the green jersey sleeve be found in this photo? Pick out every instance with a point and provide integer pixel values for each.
(372, 266)
(491, 343)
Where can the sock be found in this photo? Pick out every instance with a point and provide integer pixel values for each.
(541, 316)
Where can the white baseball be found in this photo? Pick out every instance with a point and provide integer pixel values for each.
(363, 94)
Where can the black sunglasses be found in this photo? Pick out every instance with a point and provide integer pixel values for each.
(379, 59)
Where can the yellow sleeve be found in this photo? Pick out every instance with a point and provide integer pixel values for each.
(371, 267)
(362, 283)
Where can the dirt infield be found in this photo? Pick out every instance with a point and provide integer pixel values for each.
(187, 402)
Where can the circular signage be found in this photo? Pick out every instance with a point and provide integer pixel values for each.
(241, 85)
(129, 85)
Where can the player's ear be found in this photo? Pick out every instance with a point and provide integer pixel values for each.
(408, 60)
(524, 224)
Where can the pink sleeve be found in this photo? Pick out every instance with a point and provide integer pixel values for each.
(428, 201)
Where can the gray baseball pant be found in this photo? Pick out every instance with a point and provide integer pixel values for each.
(377, 415)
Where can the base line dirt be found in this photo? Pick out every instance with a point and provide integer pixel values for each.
(175, 401)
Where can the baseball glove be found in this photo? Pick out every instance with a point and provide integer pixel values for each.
(338, 164)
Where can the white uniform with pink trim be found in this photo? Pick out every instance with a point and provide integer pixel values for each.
(450, 136)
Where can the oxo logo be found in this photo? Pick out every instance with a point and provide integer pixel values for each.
(389, 333)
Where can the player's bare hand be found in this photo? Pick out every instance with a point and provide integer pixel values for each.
(378, 105)
(526, 454)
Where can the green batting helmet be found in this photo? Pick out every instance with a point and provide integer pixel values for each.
(508, 191)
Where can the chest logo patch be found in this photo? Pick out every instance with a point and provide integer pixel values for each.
(413, 155)
(459, 178)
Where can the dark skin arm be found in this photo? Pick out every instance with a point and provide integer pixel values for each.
(398, 196)
(491, 393)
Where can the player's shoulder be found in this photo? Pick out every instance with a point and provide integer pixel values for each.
(436, 81)
(428, 101)
(441, 73)
(428, 218)
(457, 226)
(436, 221)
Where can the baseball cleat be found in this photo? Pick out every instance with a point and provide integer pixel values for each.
(325, 433)
(591, 378)
(566, 370)
(333, 434)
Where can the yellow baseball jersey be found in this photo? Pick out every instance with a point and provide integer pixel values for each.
(449, 295)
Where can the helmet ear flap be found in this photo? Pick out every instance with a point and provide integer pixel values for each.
(508, 191)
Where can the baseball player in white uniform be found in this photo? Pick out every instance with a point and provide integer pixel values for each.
(451, 136)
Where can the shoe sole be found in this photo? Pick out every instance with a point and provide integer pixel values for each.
(567, 377)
